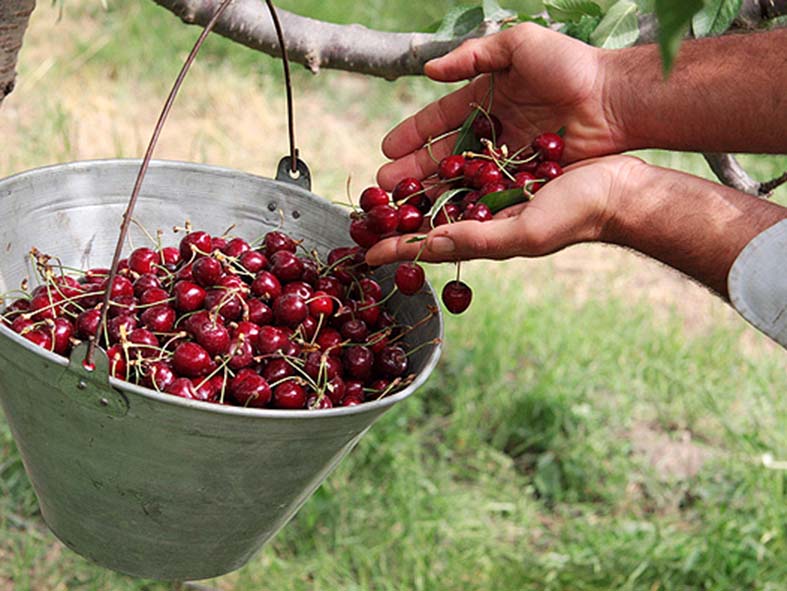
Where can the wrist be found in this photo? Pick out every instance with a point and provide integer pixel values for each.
(633, 196)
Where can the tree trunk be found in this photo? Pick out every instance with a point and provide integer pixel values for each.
(14, 16)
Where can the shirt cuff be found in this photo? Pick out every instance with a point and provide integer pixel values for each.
(757, 282)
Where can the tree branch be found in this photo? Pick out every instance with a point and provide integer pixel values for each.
(14, 16)
(318, 44)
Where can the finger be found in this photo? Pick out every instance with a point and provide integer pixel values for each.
(496, 239)
(418, 164)
(473, 57)
(440, 117)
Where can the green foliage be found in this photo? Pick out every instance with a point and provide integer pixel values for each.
(674, 19)
(619, 27)
(571, 10)
(715, 17)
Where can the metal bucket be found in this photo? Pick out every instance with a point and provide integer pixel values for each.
(150, 484)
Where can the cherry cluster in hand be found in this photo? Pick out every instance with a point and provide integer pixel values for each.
(219, 320)
(466, 186)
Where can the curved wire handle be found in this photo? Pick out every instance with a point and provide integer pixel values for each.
(124, 226)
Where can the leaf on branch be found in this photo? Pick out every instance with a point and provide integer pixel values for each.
(501, 199)
(619, 27)
(571, 10)
(581, 29)
(674, 17)
(715, 18)
(496, 13)
(459, 21)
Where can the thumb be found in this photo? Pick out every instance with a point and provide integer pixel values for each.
(473, 57)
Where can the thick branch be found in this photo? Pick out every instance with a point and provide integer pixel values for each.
(318, 44)
(14, 16)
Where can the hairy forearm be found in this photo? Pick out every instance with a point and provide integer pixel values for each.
(724, 94)
(692, 225)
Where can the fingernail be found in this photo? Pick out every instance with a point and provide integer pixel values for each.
(442, 245)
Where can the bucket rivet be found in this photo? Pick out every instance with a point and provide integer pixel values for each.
(296, 214)
(82, 384)
(272, 206)
(104, 402)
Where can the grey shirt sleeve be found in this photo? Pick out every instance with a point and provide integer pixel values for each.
(757, 282)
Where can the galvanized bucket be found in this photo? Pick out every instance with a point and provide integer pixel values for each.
(145, 483)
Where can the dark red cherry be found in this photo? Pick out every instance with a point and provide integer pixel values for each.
(409, 278)
(289, 395)
(87, 323)
(290, 310)
(206, 271)
(392, 361)
(253, 261)
(236, 247)
(372, 197)
(361, 234)
(191, 360)
(259, 312)
(525, 180)
(487, 172)
(158, 376)
(276, 241)
(456, 296)
(410, 218)
(159, 318)
(277, 369)
(143, 260)
(270, 339)
(487, 126)
(549, 145)
(383, 219)
(406, 188)
(195, 244)
(286, 266)
(358, 362)
(182, 388)
(479, 212)
(188, 296)
(266, 286)
(548, 170)
(250, 389)
(146, 282)
(451, 167)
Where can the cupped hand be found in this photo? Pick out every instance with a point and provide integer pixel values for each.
(575, 207)
(543, 81)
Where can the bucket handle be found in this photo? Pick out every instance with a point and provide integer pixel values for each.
(87, 384)
(291, 169)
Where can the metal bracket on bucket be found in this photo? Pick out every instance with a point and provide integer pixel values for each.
(284, 173)
(90, 387)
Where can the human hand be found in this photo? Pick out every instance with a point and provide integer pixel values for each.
(575, 207)
(543, 81)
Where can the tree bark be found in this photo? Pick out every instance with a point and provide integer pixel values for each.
(14, 16)
(318, 44)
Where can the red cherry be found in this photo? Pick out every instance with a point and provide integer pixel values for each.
(259, 312)
(213, 337)
(456, 296)
(182, 388)
(62, 330)
(479, 212)
(383, 219)
(524, 180)
(289, 395)
(169, 258)
(451, 167)
(487, 126)
(146, 282)
(195, 244)
(321, 304)
(154, 295)
(158, 376)
(321, 366)
(492, 188)
(329, 340)
(392, 361)
(87, 323)
(286, 266)
(143, 260)
(409, 278)
(276, 241)
(270, 339)
(361, 234)
(266, 286)
(188, 296)
(191, 360)
(253, 261)
(119, 326)
(241, 354)
(358, 362)
(548, 170)
(145, 342)
(410, 218)
(290, 309)
(236, 247)
(405, 188)
(250, 389)
(277, 369)
(549, 145)
(206, 271)
(487, 172)
(117, 362)
(372, 197)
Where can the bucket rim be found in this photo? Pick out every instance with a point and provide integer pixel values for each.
(242, 412)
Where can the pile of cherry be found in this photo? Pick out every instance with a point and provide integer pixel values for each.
(467, 186)
(218, 320)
